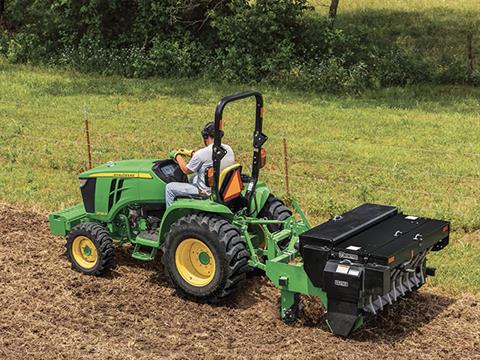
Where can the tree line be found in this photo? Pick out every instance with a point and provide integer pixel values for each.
(282, 42)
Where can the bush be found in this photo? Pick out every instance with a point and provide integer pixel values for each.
(177, 58)
(393, 67)
(331, 75)
(258, 39)
(281, 42)
(456, 72)
(25, 47)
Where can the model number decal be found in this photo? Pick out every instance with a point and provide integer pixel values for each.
(341, 283)
(343, 255)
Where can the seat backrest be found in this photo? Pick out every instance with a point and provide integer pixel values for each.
(230, 184)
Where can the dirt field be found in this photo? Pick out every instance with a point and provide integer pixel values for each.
(49, 311)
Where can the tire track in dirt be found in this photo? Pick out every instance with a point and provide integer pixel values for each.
(48, 311)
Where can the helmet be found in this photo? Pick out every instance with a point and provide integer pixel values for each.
(209, 130)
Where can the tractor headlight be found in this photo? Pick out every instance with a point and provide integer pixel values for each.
(83, 182)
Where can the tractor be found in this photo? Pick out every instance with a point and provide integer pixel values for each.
(355, 263)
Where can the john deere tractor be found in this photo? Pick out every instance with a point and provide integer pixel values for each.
(356, 263)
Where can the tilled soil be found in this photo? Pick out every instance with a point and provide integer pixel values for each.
(49, 311)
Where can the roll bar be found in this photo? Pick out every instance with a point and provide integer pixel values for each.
(258, 140)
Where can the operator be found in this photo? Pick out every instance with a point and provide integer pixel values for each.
(200, 161)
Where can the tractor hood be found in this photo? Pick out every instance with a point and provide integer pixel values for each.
(123, 168)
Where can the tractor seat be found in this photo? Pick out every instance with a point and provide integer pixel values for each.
(230, 185)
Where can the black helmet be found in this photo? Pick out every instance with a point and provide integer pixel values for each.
(209, 130)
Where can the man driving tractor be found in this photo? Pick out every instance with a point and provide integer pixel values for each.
(200, 161)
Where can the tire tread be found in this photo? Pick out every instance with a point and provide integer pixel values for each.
(101, 238)
(230, 239)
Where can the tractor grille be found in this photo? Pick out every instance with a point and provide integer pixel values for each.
(116, 189)
(88, 195)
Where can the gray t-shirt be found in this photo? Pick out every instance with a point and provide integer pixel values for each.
(202, 159)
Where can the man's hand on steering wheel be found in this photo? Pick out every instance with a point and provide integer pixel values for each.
(184, 152)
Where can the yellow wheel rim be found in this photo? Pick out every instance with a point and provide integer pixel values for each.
(195, 262)
(84, 252)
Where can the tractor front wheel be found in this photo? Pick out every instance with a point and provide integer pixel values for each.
(90, 248)
(205, 257)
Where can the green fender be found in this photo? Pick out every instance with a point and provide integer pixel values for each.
(262, 192)
(182, 207)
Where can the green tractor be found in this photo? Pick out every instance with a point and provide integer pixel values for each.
(356, 263)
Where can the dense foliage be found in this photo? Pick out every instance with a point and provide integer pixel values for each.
(281, 42)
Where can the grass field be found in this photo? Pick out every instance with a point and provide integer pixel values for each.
(432, 31)
(400, 5)
(417, 148)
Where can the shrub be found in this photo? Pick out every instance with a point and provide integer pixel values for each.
(258, 39)
(282, 42)
(393, 67)
(174, 58)
(332, 75)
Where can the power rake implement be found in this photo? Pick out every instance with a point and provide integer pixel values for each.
(356, 263)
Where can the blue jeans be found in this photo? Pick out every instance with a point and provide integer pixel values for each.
(174, 189)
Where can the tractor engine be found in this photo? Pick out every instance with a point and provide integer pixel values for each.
(144, 218)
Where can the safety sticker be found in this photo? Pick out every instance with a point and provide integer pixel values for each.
(413, 218)
(354, 272)
(354, 248)
(343, 269)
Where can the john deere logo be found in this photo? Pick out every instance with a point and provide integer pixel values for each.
(125, 175)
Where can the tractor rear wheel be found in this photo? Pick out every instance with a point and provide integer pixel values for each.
(275, 209)
(90, 248)
(205, 257)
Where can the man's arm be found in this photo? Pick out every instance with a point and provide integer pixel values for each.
(183, 165)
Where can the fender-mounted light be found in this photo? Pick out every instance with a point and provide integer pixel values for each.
(210, 177)
(83, 182)
(446, 229)
(263, 157)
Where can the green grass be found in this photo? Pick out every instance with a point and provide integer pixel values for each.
(403, 5)
(417, 147)
(432, 31)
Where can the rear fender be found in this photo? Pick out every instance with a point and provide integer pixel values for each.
(182, 207)
(262, 192)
